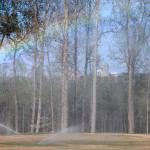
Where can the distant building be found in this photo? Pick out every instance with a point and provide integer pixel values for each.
(103, 70)
(114, 74)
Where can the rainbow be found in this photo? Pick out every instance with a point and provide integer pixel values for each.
(55, 29)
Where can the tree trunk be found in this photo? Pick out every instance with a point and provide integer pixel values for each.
(130, 66)
(34, 92)
(93, 104)
(15, 90)
(23, 119)
(130, 100)
(86, 67)
(36, 27)
(64, 96)
(52, 107)
(147, 105)
(75, 64)
(40, 91)
(51, 94)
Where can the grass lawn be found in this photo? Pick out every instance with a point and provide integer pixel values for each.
(77, 141)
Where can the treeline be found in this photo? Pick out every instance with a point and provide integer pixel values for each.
(52, 50)
(111, 104)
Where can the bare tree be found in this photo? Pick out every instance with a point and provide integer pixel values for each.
(35, 51)
(130, 66)
(130, 51)
(64, 97)
(75, 60)
(88, 13)
(40, 24)
(95, 50)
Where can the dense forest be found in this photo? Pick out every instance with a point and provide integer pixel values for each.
(54, 74)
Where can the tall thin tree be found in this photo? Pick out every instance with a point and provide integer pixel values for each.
(95, 50)
(64, 89)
